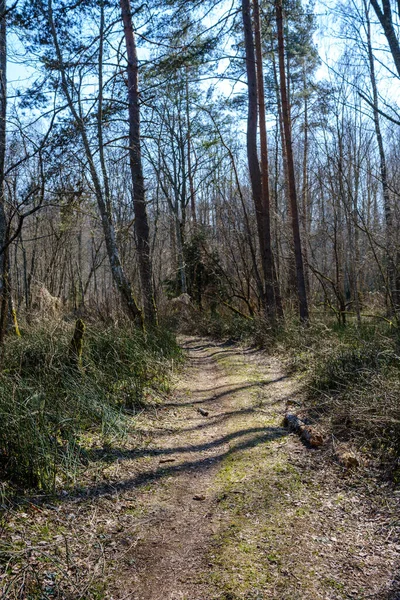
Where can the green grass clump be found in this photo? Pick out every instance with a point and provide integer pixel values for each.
(352, 377)
(47, 400)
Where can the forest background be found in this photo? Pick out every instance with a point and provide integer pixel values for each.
(229, 168)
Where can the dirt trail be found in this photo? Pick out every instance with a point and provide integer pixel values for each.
(245, 510)
(218, 506)
(172, 556)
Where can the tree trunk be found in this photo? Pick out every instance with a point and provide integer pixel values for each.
(305, 181)
(139, 204)
(271, 284)
(391, 267)
(254, 166)
(189, 153)
(291, 276)
(301, 286)
(7, 310)
(3, 218)
(386, 19)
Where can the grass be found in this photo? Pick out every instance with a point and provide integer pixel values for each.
(255, 488)
(286, 521)
(47, 400)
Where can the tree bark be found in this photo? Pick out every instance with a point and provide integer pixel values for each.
(3, 218)
(7, 310)
(254, 165)
(301, 286)
(391, 267)
(308, 434)
(271, 283)
(139, 204)
(305, 219)
(291, 276)
(192, 190)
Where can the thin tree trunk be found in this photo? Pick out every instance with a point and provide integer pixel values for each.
(7, 310)
(391, 268)
(139, 204)
(291, 277)
(301, 286)
(181, 257)
(189, 153)
(386, 19)
(305, 180)
(3, 217)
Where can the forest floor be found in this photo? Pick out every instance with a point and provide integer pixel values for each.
(225, 505)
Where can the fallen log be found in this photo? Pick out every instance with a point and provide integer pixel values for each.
(307, 433)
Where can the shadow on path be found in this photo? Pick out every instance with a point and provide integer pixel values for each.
(227, 392)
(265, 435)
(121, 454)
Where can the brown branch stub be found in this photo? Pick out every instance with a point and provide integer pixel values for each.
(307, 433)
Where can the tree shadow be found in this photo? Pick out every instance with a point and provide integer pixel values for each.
(262, 435)
(234, 352)
(202, 346)
(211, 421)
(126, 454)
(227, 392)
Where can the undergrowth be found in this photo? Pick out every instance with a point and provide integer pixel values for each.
(352, 381)
(47, 400)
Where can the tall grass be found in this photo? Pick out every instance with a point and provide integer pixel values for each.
(354, 381)
(46, 400)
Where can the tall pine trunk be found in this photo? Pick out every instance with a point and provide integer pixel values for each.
(122, 283)
(135, 156)
(300, 279)
(262, 215)
(271, 284)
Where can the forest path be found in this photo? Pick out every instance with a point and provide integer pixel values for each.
(219, 506)
(173, 555)
(245, 511)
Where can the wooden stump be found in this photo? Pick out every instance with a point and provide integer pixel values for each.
(76, 345)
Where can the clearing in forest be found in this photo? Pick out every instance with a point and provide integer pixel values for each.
(213, 500)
